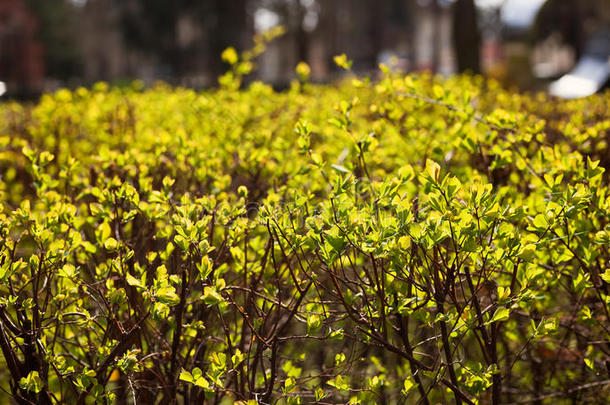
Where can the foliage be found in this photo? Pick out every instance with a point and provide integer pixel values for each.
(401, 240)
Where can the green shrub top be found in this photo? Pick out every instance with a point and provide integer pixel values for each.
(392, 241)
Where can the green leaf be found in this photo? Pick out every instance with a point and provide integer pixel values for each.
(111, 244)
(501, 314)
(314, 322)
(229, 56)
(433, 169)
(408, 385)
(540, 221)
(203, 383)
(340, 169)
(343, 62)
(290, 385)
(103, 232)
(336, 122)
(167, 295)
(337, 242)
(237, 358)
(439, 92)
(211, 296)
(320, 394)
(205, 267)
(196, 378)
(32, 383)
(132, 281)
(528, 253)
(338, 383)
(590, 364)
(185, 376)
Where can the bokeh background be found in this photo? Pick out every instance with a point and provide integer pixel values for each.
(533, 44)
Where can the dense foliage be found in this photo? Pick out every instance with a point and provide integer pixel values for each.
(407, 240)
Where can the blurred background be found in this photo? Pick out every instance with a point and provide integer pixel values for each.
(560, 45)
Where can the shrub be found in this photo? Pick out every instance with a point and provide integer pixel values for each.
(412, 239)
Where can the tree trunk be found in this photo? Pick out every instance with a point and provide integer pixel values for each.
(302, 36)
(466, 36)
(436, 36)
(231, 22)
(376, 23)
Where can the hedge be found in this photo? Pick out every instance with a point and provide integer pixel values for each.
(409, 239)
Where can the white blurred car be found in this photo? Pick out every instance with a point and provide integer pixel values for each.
(591, 72)
(2, 88)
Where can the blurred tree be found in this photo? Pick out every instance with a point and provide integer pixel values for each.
(230, 25)
(436, 39)
(377, 19)
(466, 36)
(566, 17)
(152, 26)
(292, 14)
(301, 35)
(21, 62)
(57, 34)
(408, 18)
(327, 30)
